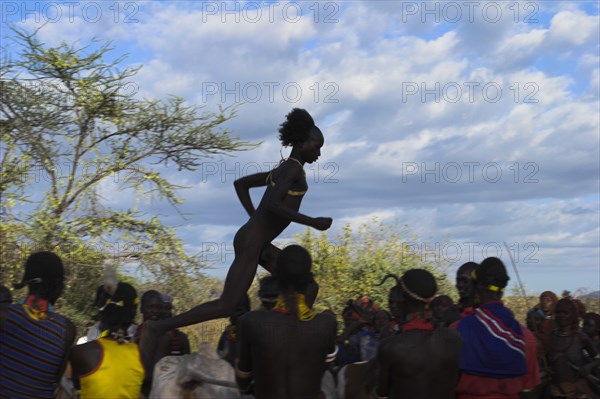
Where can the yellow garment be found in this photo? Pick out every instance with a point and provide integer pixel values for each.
(304, 311)
(118, 376)
(290, 192)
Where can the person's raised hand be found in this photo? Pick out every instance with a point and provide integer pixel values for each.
(322, 223)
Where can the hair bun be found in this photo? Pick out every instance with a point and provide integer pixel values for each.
(296, 128)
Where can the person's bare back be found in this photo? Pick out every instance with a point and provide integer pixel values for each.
(286, 355)
(285, 350)
(421, 364)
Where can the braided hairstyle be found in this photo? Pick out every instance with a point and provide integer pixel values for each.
(296, 128)
(567, 305)
(551, 296)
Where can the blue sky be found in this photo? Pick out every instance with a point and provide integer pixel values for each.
(474, 123)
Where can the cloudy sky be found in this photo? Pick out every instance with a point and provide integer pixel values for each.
(474, 123)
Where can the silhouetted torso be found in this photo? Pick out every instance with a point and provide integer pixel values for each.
(420, 364)
(286, 355)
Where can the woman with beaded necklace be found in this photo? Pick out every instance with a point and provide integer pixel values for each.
(279, 206)
(565, 355)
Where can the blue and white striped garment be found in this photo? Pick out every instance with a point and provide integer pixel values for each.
(493, 343)
(31, 353)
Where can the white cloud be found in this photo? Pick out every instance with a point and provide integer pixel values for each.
(573, 27)
(369, 80)
(522, 45)
(356, 221)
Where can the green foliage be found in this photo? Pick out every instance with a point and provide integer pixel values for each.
(518, 304)
(71, 125)
(352, 264)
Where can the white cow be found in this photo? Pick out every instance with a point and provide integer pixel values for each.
(200, 375)
(350, 381)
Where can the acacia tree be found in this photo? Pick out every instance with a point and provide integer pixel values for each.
(70, 122)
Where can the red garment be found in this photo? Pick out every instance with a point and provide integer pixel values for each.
(476, 387)
(467, 311)
(417, 324)
(40, 304)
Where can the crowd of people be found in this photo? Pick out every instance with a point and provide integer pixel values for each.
(424, 346)
(474, 348)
